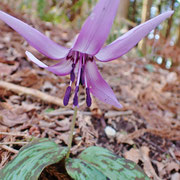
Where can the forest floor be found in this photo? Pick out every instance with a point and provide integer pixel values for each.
(147, 128)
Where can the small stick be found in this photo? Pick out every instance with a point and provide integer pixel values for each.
(71, 112)
(66, 112)
(10, 149)
(14, 134)
(33, 92)
(5, 143)
(110, 114)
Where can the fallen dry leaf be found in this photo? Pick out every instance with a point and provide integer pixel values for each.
(172, 166)
(95, 109)
(175, 176)
(6, 69)
(13, 117)
(148, 168)
(133, 155)
(63, 125)
(64, 137)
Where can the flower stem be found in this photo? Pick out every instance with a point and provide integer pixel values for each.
(71, 132)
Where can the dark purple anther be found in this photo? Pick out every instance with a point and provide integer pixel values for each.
(88, 97)
(75, 99)
(82, 75)
(67, 95)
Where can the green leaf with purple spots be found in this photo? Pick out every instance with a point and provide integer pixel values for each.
(112, 166)
(32, 159)
(81, 170)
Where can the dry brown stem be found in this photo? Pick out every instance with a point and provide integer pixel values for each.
(14, 134)
(33, 92)
(9, 149)
(19, 143)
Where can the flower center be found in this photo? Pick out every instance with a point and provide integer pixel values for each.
(78, 73)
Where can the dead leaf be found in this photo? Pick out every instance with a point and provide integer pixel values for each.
(6, 69)
(28, 78)
(95, 109)
(175, 176)
(148, 168)
(177, 154)
(64, 137)
(63, 125)
(133, 155)
(172, 166)
(13, 117)
(161, 168)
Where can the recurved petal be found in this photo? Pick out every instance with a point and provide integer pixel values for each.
(127, 41)
(62, 68)
(36, 39)
(98, 86)
(97, 27)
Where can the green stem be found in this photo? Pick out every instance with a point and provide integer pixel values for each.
(71, 132)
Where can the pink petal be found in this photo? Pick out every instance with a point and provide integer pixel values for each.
(36, 39)
(124, 43)
(98, 86)
(97, 27)
(62, 68)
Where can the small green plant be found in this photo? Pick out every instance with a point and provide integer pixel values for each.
(94, 163)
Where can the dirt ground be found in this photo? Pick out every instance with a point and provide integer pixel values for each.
(146, 130)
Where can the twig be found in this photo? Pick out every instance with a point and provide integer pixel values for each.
(71, 112)
(33, 92)
(10, 149)
(14, 134)
(59, 112)
(5, 143)
(110, 114)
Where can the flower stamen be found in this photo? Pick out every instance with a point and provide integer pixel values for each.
(75, 99)
(72, 74)
(82, 75)
(67, 95)
(88, 97)
(80, 60)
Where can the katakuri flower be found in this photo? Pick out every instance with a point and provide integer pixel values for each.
(79, 60)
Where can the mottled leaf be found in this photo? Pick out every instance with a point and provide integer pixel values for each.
(112, 166)
(80, 170)
(32, 159)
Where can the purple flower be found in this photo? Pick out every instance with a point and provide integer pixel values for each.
(79, 60)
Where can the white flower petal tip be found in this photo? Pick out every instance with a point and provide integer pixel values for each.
(62, 68)
(119, 106)
(35, 60)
